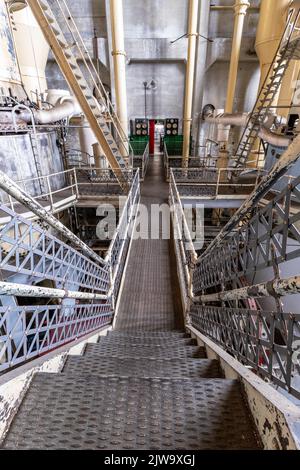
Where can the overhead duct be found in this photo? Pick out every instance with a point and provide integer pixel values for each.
(65, 108)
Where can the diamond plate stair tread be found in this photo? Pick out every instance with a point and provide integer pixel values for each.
(157, 334)
(142, 367)
(64, 412)
(123, 340)
(144, 351)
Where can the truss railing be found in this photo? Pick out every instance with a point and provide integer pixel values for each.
(86, 293)
(214, 183)
(29, 332)
(217, 287)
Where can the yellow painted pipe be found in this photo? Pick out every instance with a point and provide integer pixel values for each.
(271, 25)
(240, 8)
(119, 58)
(190, 73)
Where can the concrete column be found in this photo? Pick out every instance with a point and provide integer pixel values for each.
(190, 73)
(119, 59)
(240, 8)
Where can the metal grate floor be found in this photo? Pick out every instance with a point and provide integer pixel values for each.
(61, 411)
(148, 298)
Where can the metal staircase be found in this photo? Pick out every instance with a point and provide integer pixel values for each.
(63, 52)
(135, 392)
(288, 50)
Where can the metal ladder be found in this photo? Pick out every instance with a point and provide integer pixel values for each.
(288, 49)
(78, 84)
(36, 150)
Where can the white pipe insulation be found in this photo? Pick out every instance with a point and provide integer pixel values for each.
(241, 119)
(63, 109)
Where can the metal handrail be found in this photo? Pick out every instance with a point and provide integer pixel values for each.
(27, 332)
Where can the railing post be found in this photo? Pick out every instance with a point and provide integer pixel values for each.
(50, 192)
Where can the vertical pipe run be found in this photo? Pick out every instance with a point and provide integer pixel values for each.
(240, 8)
(119, 58)
(190, 74)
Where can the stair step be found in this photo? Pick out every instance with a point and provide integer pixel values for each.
(157, 334)
(157, 342)
(142, 367)
(144, 351)
(64, 412)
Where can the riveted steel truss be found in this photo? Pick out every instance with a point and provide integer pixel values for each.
(248, 248)
(40, 329)
(249, 335)
(27, 248)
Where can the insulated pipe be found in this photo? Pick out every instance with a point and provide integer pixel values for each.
(274, 139)
(22, 290)
(11, 188)
(190, 75)
(276, 288)
(62, 110)
(238, 119)
(119, 58)
(240, 8)
(288, 158)
(241, 119)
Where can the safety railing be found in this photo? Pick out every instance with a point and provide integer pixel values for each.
(85, 293)
(213, 183)
(141, 160)
(217, 287)
(29, 332)
(184, 247)
(26, 248)
(92, 181)
(60, 189)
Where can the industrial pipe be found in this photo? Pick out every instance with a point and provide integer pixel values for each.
(241, 119)
(190, 75)
(288, 158)
(119, 58)
(272, 138)
(62, 110)
(271, 26)
(240, 8)
(11, 188)
(22, 290)
(276, 288)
